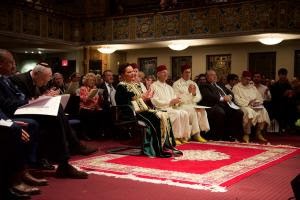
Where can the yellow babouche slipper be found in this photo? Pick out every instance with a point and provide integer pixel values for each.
(246, 138)
(183, 140)
(261, 138)
(178, 142)
(199, 139)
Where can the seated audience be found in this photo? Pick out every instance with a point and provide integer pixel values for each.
(108, 92)
(90, 105)
(73, 84)
(19, 146)
(225, 118)
(164, 98)
(232, 79)
(190, 95)
(201, 79)
(159, 136)
(263, 89)
(251, 103)
(264, 92)
(283, 101)
(148, 81)
(57, 83)
(56, 127)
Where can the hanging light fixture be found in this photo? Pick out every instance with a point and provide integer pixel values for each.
(107, 49)
(270, 39)
(178, 45)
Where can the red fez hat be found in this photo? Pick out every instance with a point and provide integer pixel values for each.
(134, 65)
(161, 68)
(246, 74)
(184, 67)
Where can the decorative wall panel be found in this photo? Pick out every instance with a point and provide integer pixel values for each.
(6, 19)
(121, 29)
(31, 23)
(55, 28)
(145, 27)
(240, 18)
(169, 25)
(67, 30)
(98, 31)
(199, 21)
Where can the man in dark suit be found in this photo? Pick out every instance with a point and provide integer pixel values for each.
(108, 98)
(225, 118)
(283, 102)
(16, 146)
(54, 125)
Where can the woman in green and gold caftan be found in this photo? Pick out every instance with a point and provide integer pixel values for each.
(159, 140)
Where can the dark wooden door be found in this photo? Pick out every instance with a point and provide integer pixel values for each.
(264, 63)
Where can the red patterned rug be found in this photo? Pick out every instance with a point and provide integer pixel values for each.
(210, 166)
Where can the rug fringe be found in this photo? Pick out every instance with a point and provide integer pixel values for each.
(212, 188)
(251, 144)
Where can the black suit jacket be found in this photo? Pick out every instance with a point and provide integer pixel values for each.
(26, 85)
(211, 96)
(10, 97)
(105, 97)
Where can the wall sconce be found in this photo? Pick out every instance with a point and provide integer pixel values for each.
(271, 40)
(178, 45)
(106, 50)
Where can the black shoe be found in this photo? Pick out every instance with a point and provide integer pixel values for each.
(86, 150)
(31, 180)
(68, 171)
(165, 154)
(13, 195)
(177, 153)
(43, 164)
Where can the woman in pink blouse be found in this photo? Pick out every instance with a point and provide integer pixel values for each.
(90, 106)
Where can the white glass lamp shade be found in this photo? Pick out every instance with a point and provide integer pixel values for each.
(106, 50)
(178, 46)
(270, 40)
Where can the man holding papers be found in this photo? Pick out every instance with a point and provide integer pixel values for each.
(13, 96)
(251, 103)
(225, 118)
(189, 93)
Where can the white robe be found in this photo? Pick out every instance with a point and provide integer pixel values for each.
(162, 95)
(242, 96)
(264, 91)
(197, 118)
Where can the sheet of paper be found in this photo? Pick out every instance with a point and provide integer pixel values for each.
(43, 106)
(6, 123)
(233, 105)
(201, 107)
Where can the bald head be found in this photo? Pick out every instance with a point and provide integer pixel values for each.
(211, 76)
(41, 74)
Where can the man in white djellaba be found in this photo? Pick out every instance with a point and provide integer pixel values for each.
(164, 98)
(251, 103)
(190, 95)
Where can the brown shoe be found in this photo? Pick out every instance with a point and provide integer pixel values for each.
(23, 188)
(29, 179)
(68, 171)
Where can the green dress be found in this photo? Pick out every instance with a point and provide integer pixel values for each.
(159, 134)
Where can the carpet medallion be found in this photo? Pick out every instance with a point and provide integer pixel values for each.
(211, 166)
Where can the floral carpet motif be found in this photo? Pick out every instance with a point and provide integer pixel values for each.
(211, 166)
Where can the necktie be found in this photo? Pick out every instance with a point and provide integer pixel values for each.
(220, 90)
(13, 89)
(111, 89)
